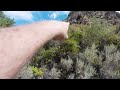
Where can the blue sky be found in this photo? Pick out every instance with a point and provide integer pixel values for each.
(25, 17)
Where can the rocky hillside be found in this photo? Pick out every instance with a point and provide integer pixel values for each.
(91, 51)
(83, 17)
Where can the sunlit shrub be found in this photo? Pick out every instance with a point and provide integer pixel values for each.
(38, 71)
(70, 46)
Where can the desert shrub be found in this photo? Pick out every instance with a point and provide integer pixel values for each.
(111, 66)
(79, 66)
(91, 55)
(84, 71)
(25, 73)
(54, 73)
(89, 72)
(71, 76)
(66, 64)
(84, 66)
(109, 50)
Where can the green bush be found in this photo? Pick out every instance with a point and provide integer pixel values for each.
(113, 39)
(38, 71)
(76, 35)
(97, 32)
(69, 46)
(5, 21)
(49, 53)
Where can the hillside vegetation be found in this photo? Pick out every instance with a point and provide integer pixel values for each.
(91, 52)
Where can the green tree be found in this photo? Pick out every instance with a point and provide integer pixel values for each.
(5, 21)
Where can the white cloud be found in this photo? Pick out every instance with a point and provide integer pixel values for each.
(53, 15)
(18, 15)
(57, 13)
(118, 11)
(65, 12)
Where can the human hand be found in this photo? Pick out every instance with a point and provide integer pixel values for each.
(62, 28)
(58, 28)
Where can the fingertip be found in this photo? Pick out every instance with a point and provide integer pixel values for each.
(66, 37)
(68, 23)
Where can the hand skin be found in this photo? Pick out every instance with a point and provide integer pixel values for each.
(19, 44)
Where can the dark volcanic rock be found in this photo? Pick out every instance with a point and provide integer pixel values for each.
(83, 17)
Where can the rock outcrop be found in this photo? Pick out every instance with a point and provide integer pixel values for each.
(83, 17)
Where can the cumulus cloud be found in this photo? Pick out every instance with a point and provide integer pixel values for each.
(55, 14)
(19, 15)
